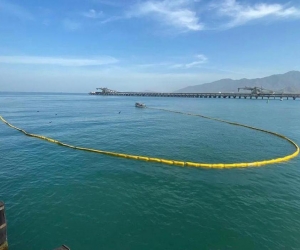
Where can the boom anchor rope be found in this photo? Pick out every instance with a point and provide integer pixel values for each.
(175, 162)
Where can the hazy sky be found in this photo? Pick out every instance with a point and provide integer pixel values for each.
(76, 45)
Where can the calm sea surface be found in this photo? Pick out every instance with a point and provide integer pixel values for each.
(56, 195)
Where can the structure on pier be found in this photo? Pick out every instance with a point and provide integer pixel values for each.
(260, 90)
(257, 90)
(106, 90)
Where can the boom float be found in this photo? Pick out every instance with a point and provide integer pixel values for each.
(176, 162)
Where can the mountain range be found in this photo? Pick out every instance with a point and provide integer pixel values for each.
(288, 83)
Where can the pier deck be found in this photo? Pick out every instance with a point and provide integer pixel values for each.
(201, 95)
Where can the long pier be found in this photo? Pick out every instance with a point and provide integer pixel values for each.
(201, 95)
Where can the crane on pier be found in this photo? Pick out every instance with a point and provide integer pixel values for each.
(106, 90)
(258, 90)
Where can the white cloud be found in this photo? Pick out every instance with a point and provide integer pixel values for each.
(93, 14)
(57, 61)
(193, 64)
(201, 59)
(175, 13)
(112, 19)
(240, 14)
(15, 10)
(184, 15)
(71, 25)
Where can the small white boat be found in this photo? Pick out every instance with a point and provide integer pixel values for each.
(140, 105)
(281, 99)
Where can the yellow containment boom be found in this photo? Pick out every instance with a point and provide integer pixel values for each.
(176, 162)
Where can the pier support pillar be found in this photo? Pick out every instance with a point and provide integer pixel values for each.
(3, 228)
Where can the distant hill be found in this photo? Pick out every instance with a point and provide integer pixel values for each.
(288, 82)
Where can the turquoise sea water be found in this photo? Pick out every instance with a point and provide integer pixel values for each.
(56, 195)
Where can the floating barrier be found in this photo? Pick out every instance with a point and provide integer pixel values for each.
(176, 162)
